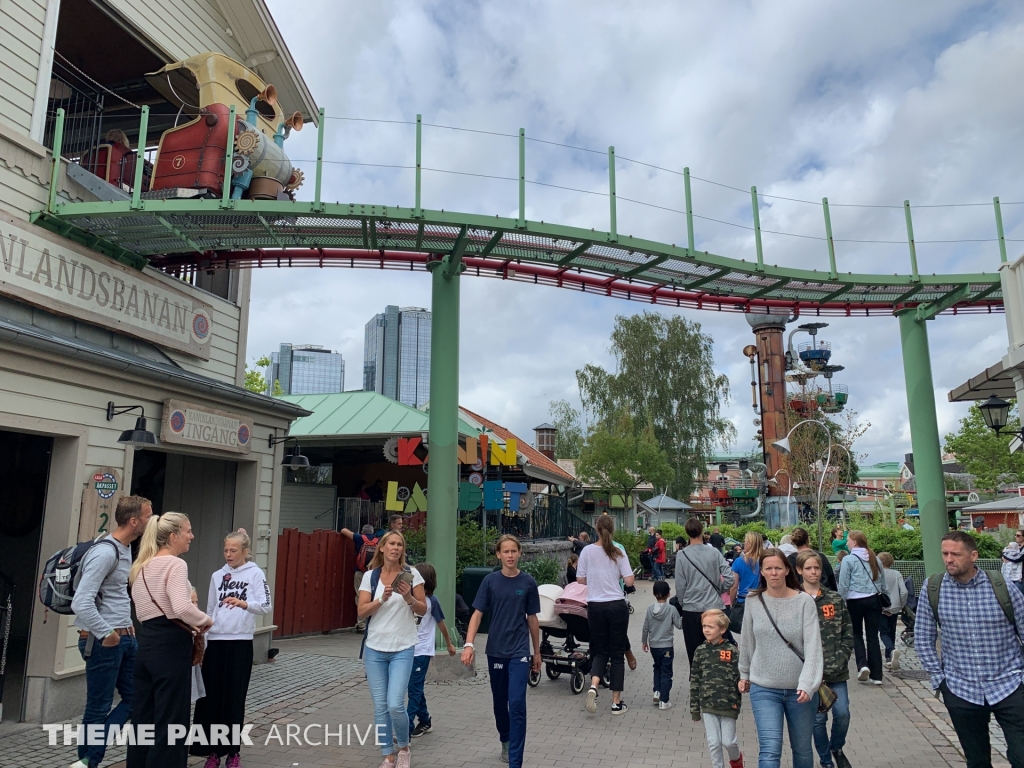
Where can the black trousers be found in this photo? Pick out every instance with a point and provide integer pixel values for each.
(609, 623)
(163, 692)
(693, 635)
(866, 613)
(227, 667)
(970, 721)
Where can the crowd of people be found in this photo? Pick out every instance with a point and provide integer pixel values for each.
(799, 623)
(180, 654)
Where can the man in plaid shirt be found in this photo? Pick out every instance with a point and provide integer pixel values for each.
(981, 669)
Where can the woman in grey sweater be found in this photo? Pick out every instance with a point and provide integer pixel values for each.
(781, 662)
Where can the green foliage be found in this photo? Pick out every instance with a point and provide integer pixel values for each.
(471, 548)
(617, 458)
(254, 379)
(635, 543)
(544, 570)
(566, 419)
(985, 454)
(664, 377)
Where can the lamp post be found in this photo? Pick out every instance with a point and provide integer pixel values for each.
(783, 446)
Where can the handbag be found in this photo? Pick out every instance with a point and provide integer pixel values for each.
(826, 696)
(736, 618)
(198, 645)
(883, 597)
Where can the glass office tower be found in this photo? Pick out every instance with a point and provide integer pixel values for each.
(396, 356)
(307, 369)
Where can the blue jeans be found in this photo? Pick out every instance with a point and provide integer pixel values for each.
(106, 669)
(770, 705)
(840, 725)
(663, 658)
(658, 571)
(388, 676)
(417, 698)
(508, 693)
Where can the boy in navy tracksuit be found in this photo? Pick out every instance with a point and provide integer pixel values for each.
(512, 599)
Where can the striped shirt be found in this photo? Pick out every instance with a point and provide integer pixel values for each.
(982, 660)
(167, 579)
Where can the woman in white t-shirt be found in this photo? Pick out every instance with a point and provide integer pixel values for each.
(600, 568)
(390, 597)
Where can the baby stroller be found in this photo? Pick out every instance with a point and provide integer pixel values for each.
(646, 569)
(908, 615)
(563, 615)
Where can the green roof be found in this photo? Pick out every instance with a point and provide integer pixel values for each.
(360, 413)
(882, 469)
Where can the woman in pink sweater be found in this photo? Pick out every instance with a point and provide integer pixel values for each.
(163, 663)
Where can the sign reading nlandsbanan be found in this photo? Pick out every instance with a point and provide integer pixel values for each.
(53, 273)
(190, 424)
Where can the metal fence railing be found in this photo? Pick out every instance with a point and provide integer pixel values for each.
(354, 513)
(914, 569)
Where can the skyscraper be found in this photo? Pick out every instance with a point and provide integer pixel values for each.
(396, 358)
(307, 369)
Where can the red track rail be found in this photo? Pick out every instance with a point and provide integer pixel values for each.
(539, 274)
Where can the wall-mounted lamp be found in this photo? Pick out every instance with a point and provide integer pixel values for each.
(294, 460)
(140, 436)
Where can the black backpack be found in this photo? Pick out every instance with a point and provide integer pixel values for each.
(63, 572)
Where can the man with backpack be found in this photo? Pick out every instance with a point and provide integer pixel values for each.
(702, 575)
(366, 545)
(103, 614)
(981, 668)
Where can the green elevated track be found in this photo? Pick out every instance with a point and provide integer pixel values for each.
(181, 235)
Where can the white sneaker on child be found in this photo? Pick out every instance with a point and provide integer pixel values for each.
(665, 705)
(657, 698)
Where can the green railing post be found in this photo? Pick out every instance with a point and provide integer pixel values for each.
(319, 159)
(443, 418)
(140, 159)
(757, 229)
(58, 145)
(831, 243)
(419, 163)
(229, 153)
(999, 230)
(689, 213)
(910, 241)
(522, 177)
(613, 231)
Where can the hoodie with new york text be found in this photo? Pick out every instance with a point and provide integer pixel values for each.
(246, 582)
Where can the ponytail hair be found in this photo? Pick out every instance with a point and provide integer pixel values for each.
(605, 528)
(155, 537)
(860, 539)
(753, 548)
(243, 541)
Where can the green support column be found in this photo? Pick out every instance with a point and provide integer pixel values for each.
(924, 437)
(443, 499)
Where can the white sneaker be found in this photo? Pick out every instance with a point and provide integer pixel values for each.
(657, 698)
(864, 674)
(80, 764)
(894, 663)
(665, 705)
(876, 682)
(592, 700)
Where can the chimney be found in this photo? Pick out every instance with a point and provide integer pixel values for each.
(545, 439)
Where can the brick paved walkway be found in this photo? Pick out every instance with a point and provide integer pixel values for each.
(318, 681)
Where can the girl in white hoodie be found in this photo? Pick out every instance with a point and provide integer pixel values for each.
(238, 593)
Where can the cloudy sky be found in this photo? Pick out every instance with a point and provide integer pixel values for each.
(866, 103)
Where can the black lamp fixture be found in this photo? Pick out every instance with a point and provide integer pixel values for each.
(140, 437)
(995, 411)
(293, 460)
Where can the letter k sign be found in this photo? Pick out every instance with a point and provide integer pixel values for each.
(407, 451)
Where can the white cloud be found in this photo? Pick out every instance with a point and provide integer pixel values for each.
(868, 103)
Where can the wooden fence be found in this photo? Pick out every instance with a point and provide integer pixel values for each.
(314, 590)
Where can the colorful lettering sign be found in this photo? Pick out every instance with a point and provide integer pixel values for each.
(475, 452)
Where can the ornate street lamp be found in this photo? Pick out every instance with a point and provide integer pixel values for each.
(995, 411)
(783, 446)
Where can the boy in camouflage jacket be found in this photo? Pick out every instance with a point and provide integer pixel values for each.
(714, 689)
(836, 628)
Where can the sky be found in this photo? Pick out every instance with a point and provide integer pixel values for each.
(869, 104)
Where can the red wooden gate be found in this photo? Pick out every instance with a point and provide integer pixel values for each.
(314, 591)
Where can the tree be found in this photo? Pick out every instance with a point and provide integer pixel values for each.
(255, 381)
(983, 453)
(617, 458)
(664, 379)
(569, 438)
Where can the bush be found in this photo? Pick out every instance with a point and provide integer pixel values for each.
(544, 570)
(471, 548)
(635, 543)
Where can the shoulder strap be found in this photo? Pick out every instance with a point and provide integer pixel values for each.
(698, 570)
(775, 626)
(374, 581)
(117, 556)
(865, 567)
(1003, 596)
(179, 622)
(933, 584)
